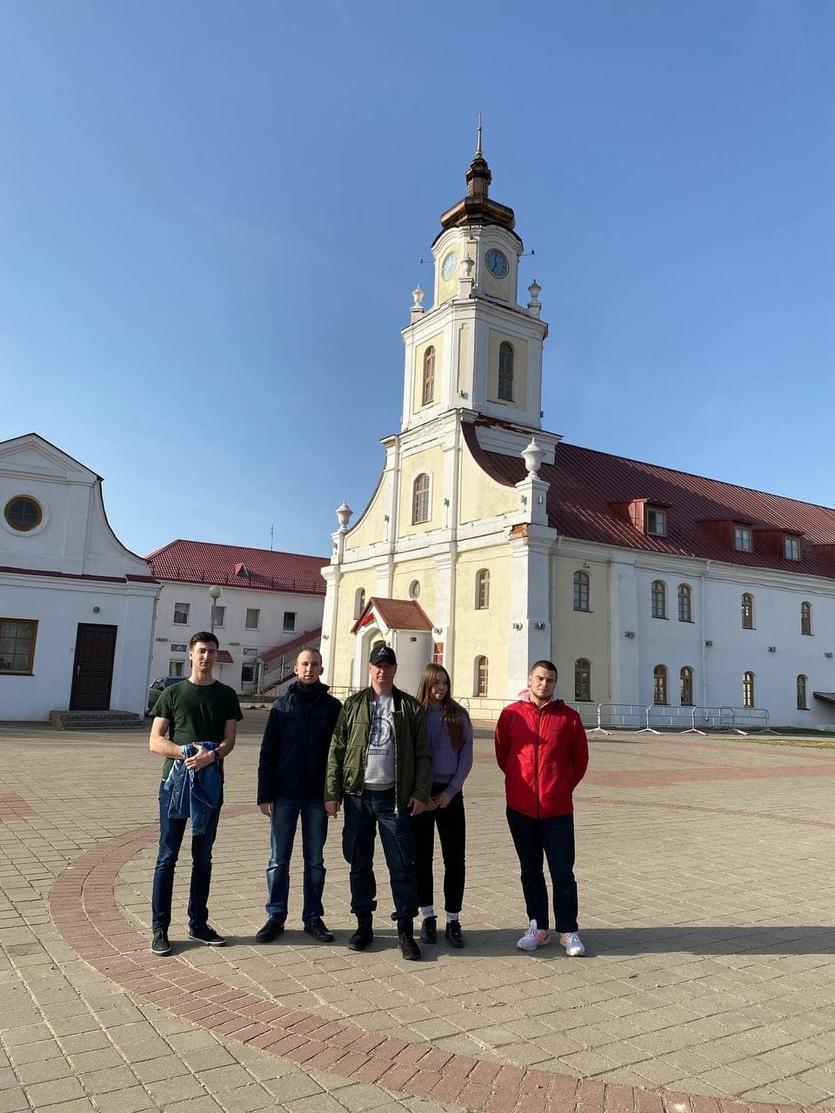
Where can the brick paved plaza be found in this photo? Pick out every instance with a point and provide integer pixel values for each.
(706, 901)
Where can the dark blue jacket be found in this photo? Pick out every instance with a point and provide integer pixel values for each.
(294, 749)
(193, 795)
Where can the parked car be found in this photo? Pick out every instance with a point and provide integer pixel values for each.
(157, 687)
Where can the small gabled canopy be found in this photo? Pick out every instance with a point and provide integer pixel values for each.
(393, 614)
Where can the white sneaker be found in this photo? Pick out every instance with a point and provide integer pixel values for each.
(534, 937)
(573, 944)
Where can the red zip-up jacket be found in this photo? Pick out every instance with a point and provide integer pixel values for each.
(543, 753)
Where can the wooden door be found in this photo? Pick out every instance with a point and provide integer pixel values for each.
(95, 647)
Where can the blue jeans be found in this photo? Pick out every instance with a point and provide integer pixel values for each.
(283, 822)
(363, 815)
(171, 833)
(552, 838)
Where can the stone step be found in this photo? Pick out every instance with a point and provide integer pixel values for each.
(95, 720)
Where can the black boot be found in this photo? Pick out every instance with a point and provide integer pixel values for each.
(405, 937)
(364, 933)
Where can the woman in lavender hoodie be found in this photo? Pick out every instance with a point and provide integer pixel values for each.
(451, 739)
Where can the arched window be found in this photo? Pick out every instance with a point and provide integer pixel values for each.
(480, 677)
(686, 686)
(482, 589)
(420, 499)
(582, 679)
(659, 684)
(659, 600)
(505, 371)
(359, 601)
(414, 589)
(748, 689)
(805, 618)
(747, 615)
(802, 705)
(581, 591)
(428, 393)
(685, 603)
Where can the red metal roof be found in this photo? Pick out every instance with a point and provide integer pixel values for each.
(397, 614)
(203, 562)
(585, 483)
(224, 657)
(287, 647)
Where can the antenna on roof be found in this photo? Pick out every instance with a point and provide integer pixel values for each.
(272, 531)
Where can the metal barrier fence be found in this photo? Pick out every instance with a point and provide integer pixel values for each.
(605, 718)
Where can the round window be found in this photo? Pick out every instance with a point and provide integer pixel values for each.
(23, 513)
(414, 589)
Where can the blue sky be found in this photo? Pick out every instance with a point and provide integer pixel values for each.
(212, 216)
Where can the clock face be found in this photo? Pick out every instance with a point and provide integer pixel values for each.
(497, 262)
(448, 266)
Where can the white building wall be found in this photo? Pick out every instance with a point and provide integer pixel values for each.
(58, 609)
(233, 634)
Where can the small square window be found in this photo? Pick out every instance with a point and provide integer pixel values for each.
(253, 616)
(181, 614)
(791, 547)
(176, 668)
(742, 539)
(289, 620)
(17, 645)
(656, 522)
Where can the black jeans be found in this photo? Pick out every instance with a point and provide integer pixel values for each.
(171, 833)
(553, 837)
(363, 815)
(452, 831)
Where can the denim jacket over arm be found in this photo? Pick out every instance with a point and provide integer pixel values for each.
(193, 795)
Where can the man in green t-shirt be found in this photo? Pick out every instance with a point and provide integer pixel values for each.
(197, 710)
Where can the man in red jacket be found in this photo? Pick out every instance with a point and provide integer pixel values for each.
(542, 750)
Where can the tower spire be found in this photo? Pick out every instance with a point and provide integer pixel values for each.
(478, 152)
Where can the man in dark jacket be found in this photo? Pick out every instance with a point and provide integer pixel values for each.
(291, 783)
(542, 750)
(381, 765)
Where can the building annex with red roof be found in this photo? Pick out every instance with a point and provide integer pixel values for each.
(650, 588)
(267, 601)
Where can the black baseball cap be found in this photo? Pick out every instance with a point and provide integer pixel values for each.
(382, 654)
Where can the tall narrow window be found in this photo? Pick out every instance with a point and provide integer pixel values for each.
(747, 612)
(428, 393)
(505, 371)
(801, 694)
(686, 687)
(655, 522)
(659, 684)
(805, 618)
(359, 601)
(582, 679)
(480, 679)
(253, 617)
(581, 591)
(659, 600)
(482, 589)
(748, 689)
(181, 614)
(685, 603)
(420, 499)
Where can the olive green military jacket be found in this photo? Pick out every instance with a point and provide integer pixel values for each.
(349, 747)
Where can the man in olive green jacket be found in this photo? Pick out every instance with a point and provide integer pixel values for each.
(381, 765)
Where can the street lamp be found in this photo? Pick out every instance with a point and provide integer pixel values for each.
(215, 593)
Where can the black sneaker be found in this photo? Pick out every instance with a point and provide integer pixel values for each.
(207, 935)
(320, 931)
(271, 930)
(429, 930)
(160, 944)
(453, 934)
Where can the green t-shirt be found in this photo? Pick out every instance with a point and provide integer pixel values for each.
(196, 713)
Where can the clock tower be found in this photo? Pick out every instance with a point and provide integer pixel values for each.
(477, 348)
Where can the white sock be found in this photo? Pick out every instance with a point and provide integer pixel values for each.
(452, 917)
(427, 910)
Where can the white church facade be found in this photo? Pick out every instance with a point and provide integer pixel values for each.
(489, 542)
(76, 606)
